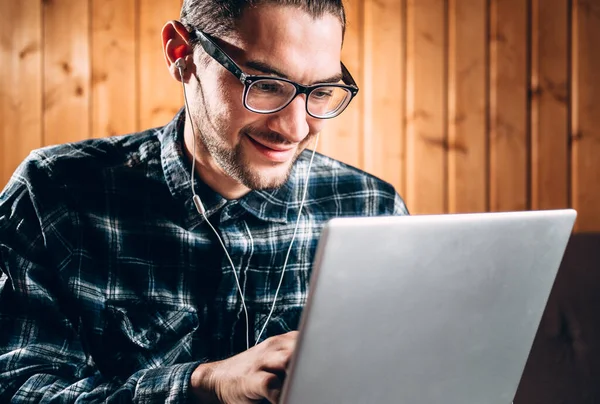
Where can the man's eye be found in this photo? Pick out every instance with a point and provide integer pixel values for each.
(322, 94)
(269, 87)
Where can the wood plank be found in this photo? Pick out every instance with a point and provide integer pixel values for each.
(66, 71)
(508, 106)
(585, 130)
(467, 106)
(426, 107)
(114, 67)
(549, 104)
(20, 83)
(160, 97)
(384, 90)
(342, 136)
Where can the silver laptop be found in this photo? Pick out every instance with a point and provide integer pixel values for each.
(439, 309)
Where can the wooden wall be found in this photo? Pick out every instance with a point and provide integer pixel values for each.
(465, 105)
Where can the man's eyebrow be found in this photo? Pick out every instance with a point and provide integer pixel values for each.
(264, 68)
(268, 69)
(333, 79)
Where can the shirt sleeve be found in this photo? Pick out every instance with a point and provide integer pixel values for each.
(400, 208)
(42, 356)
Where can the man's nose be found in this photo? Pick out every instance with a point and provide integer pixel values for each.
(291, 122)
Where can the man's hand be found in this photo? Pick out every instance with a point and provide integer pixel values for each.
(247, 377)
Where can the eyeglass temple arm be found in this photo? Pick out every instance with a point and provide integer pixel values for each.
(348, 77)
(218, 54)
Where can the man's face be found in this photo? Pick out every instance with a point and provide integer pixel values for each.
(258, 150)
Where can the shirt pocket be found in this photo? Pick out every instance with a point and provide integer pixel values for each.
(145, 336)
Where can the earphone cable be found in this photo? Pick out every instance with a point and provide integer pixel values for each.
(202, 211)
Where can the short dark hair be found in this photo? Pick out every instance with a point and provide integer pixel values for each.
(219, 17)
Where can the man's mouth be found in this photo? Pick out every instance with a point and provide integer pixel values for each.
(274, 152)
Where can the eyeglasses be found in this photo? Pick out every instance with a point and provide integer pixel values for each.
(267, 94)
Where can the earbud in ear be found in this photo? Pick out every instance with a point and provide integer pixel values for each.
(180, 64)
(179, 53)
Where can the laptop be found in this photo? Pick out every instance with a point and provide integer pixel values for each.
(432, 309)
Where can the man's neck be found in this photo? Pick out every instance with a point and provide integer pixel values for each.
(221, 184)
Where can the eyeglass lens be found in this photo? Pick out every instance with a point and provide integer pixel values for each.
(267, 95)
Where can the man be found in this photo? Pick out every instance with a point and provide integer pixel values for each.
(114, 286)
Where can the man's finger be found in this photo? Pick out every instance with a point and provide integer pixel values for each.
(276, 361)
(269, 386)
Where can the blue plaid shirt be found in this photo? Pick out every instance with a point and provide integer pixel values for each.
(113, 288)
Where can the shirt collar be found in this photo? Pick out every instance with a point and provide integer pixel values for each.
(269, 205)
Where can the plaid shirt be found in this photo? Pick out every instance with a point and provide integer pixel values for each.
(113, 288)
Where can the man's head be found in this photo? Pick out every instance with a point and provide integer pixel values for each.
(299, 40)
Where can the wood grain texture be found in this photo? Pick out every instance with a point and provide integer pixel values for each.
(508, 106)
(467, 106)
(20, 83)
(384, 91)
(549, 104)
(66, 71)
(426, 137)
(114, 67)
(585, 130)
(160, 97)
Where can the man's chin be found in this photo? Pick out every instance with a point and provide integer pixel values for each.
(267, 178)
(259, 174)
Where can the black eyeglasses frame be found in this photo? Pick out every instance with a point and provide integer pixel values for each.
(210, 46)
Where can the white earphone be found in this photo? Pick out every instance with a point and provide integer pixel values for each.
(181, 66)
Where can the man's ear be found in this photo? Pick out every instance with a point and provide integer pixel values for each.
(175, 40)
